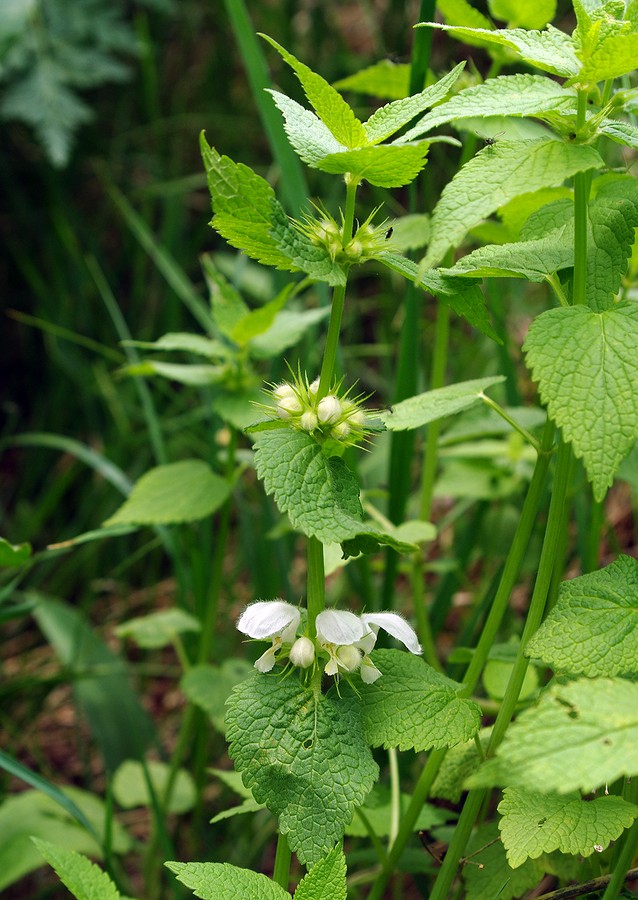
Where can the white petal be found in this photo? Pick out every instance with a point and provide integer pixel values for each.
(396, 626)
(368, 671)
(266, 661)
(368, 641)
(266, 618)
(349, 658)
(339, 627)
(331, 667)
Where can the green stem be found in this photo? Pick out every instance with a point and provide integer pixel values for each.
(437, 380)
(395, 786)
(281, 871)
(529, 437)
(554, 282)
(316, 593)
(629, 850)
(581, 195)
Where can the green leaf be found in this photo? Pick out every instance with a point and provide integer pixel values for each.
(183, 373)
(460, 762)
(227, 304)
(210, 686)
(535, 823)
(13, 554)
(311, 140)
(331, 108)
(304, 755)
(289, 326)
(158, 629)
(586, 368)
(211, 881)
(460, 12)
(436, 404)
(384, 79)
(610, 58)
(387, 120)
(534, 260)
(452, 291)
(526, 13)
(411, 232)
(497, 175)
(130, 788)
(613, 218)
(581, 735)
(178, 492)
(413, 707)
(621, 132)
(319, 493)
(506, 95)
(258, 321)
(118, 722)
(33, 814)
(189, 343)
(379, 810)
(249, 217)
(550, 50)
(326, 880)
(84, 879)
(593, 628)
(383, 165)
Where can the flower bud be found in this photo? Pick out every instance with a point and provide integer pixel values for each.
(341, 430)
(349, 657)
(329, 409)
(308, 421)
(313, 387)
(302, 653)
(288, 406)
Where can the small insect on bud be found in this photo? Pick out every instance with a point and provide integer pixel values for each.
(389, 233)
(302, 653)
(329, 410)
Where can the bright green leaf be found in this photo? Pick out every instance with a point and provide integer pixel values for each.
(523, 13)
(304, 755)
(460, 762)
(210, 686)
(130, 788)
(227, 304)
(384, 79)
(593, 628)
(326, 880)
(13, 554)
(535, 823)
(460, 12)
(183, 373)
(189, 343)
(410, 232)
(495, 176)
(611, 58)
(286, 331)
(158, 629)
(586, 367)
(383, 165)
(212, 881)
(534, 260)
(581, 735)
(331, 108)
(311, 140)
(436, 404)
(84, 879)
(178, 492)
(413, 707)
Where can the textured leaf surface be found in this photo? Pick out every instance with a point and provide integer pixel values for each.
(413, 707)
(586, 367)
(382, 165)
(611, 58)
(460, 762)
(84, 879)
(178, 492)
(302, 754)
(393, 116)
(326, 880)
(211, 881)
(506, 95)
(593, 628)
(158, 629)
(535, 823)
(497, 175)
(210, 686)
(250, 218)
(452, 291)
(580, 736)
(550, 50)
(130, 788)
(613, 218)
(534, 260)
(436, 404)
(329, 105)
(309, 137)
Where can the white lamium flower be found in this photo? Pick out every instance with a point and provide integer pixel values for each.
(338, 631)
(395, 625)
(329, 409)
(302, 653)
(308, 421)
(273, 620)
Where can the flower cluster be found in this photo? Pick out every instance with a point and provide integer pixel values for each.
(332, 416)
(367, 242)
(343, 644)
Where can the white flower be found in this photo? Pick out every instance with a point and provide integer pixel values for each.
(273, 620)
(302, 653)
(329, 409)
(349, 639)
(308, 420)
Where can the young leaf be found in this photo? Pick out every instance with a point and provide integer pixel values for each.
(526, 13)
(211, 881)
(593, 628)
(158, 629)
(210, 686)
(413, 707)
(581, 735)
(383, 165)
(84, 879)
(506, 95)
(304, 755)
(311, 140)
(535, 823)
(178, 492)
(250, 218)
(384, 79)
(586, 368)
(329, 105)
(460, 12)
(436, 404)
(551, 50)
(491, 179)
(326, 880)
